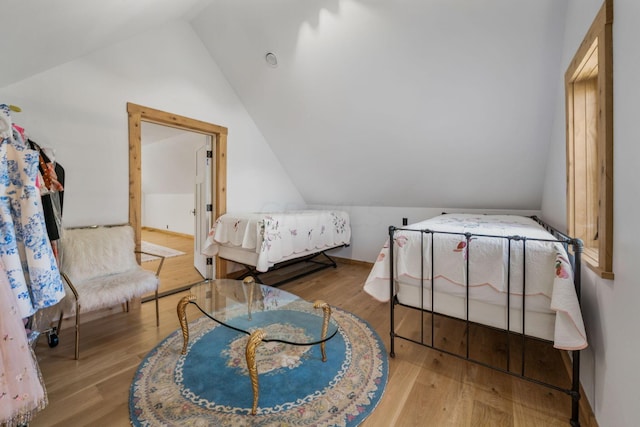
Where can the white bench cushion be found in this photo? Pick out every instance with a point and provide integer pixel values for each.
(107, 291)
(101, 264)
(87, 253)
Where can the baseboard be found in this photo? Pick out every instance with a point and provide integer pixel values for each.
(235, 274)
(351, 261)
(587, 417)
(173, 233)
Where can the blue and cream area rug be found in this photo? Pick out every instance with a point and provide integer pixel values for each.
(210, 385)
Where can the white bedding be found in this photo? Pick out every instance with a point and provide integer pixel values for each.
(549, 285)
(264, 239)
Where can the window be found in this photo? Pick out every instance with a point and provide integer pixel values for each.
(589, 104)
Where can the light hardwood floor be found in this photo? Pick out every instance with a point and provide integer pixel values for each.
(425, 387)
(177, 272)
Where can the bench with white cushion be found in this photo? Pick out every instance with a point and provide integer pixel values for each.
(100, 267)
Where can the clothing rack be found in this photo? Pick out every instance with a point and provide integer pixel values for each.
(30, 281)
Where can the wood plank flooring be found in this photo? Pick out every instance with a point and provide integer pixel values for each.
(425, 388)
(178, 271)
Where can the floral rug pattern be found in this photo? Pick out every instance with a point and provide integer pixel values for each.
(209, 385)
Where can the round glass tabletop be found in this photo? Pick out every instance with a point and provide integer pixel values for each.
(248, 306)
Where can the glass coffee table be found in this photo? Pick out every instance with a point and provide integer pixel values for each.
(251, 308)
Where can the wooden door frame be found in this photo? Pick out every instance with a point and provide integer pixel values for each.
(139, 114)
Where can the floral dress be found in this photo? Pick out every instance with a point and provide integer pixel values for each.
(21, 390)
(25, 250)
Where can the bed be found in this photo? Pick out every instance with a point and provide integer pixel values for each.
(508, 272)
(263, 242)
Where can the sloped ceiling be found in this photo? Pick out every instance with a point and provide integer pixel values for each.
(40, 34)
(436, 103)
(427, 103)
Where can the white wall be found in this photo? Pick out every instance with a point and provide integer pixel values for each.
(79, 108)
(169, 212)
(609, 371)
(169, 165)
(443, 99)
(168, 181)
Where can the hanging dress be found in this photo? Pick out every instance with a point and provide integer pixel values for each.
(25, 250)
(21, 389)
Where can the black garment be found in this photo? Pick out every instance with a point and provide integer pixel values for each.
(60, 173)
(52, 202)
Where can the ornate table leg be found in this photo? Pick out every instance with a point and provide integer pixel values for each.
(182, 317)
(325, 324)
(254, 340)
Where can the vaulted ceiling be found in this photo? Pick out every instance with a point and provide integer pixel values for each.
(436, 103)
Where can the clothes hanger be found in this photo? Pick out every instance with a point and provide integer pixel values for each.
(6, 130)
(6, 124)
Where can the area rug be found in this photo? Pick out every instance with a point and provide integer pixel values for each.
(158, 250)
(210, 386)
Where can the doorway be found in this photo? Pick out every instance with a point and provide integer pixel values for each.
(218, 136)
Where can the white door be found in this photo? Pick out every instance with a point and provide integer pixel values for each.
(203, 209)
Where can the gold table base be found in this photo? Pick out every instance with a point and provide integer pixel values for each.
(255, 338)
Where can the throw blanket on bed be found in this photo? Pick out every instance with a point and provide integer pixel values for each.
(275, 236)
(548, 272)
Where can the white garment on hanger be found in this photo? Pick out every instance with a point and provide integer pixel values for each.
(25, 250)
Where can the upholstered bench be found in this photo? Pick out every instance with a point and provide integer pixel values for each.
(100, 267)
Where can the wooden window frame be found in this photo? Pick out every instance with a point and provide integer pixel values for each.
(596, 44)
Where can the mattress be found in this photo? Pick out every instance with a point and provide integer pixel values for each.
(265, 239)
(481, 257)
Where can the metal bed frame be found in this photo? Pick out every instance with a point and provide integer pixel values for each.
(319, 264)
(575, 259)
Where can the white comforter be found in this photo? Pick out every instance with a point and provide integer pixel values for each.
(276, 236)
(548, 272)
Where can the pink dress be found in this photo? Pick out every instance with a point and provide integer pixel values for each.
(22, 392)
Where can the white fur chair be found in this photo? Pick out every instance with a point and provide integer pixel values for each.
(99, 266)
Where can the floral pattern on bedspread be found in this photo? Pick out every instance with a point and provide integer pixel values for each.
(548, 271)
(569, 333)
(275, 236)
